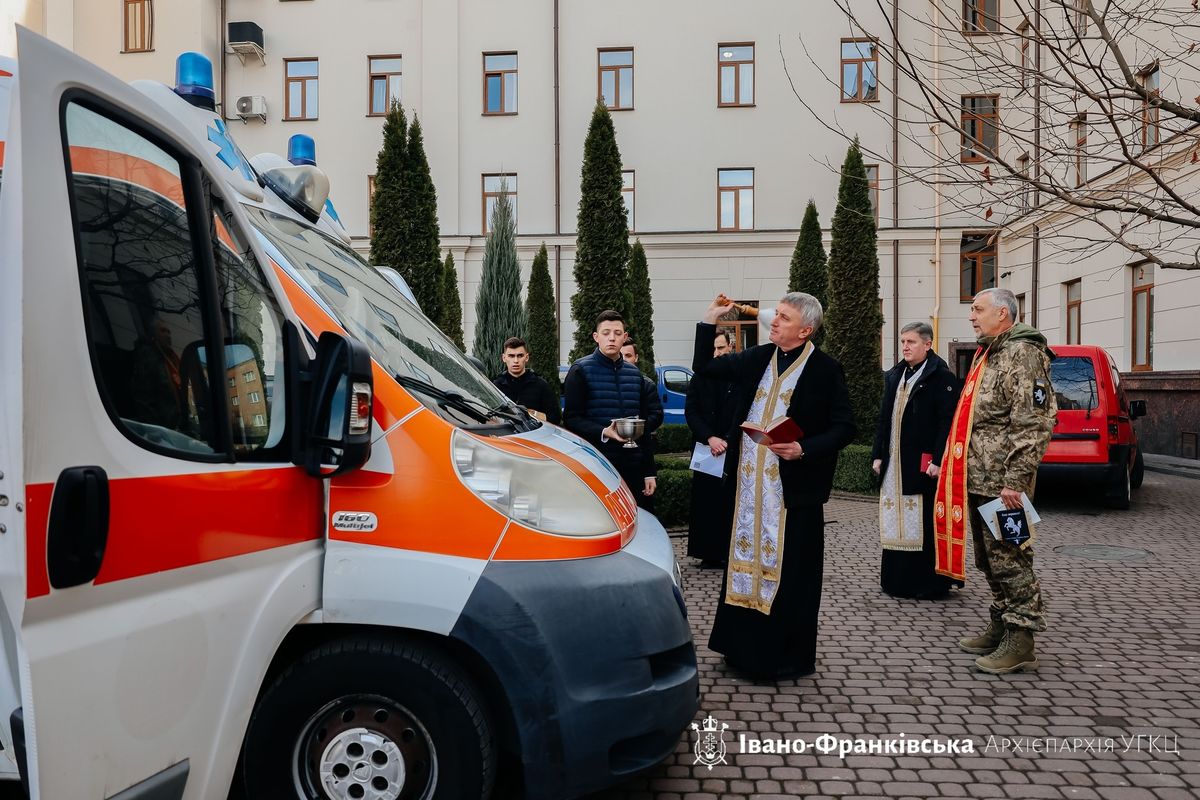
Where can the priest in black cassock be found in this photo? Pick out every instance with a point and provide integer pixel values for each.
(766, 621)
(709, 411)
(920, 395)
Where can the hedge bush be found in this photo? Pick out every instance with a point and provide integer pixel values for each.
(673, 497)
(853, 473)
(673, 438)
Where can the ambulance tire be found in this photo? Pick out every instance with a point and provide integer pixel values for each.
(419, 705)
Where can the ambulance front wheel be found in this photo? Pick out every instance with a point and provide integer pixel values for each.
(370, 719)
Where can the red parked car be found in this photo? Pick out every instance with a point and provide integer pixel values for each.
(1093, 440)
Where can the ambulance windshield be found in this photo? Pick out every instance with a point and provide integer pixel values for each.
(399, 336)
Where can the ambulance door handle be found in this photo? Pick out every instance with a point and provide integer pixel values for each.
(78, 529)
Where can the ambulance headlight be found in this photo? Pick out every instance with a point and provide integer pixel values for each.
(538, 493)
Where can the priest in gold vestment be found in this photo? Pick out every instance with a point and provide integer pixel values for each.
(766, 621)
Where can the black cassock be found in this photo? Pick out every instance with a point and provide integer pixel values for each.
(783, 642)
(709, 411)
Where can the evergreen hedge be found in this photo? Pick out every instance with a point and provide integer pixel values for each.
(543, 323)
(640, 321)
(602, 241)
(499, 312)
(808, 270)
(451, 307)
(854, 321)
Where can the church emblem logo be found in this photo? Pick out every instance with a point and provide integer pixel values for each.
(710, 746)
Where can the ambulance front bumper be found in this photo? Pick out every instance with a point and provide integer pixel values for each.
(595, 661)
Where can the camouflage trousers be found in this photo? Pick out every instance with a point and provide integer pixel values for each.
(1016, 593)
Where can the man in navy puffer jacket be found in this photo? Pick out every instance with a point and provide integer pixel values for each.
(602, 387)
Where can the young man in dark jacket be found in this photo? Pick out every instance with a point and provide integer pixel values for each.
(524, 386)
(602, 387)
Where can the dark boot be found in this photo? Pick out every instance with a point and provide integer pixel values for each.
(986, 642)
(1014, 654)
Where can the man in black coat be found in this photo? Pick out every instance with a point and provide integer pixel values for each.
(766, 621)
(709, 410)
(524, 386)
(919, 397)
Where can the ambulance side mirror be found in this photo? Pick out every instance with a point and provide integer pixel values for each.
(336, 394)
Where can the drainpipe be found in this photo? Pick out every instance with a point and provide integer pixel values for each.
(221, 57)
(937, 193)
(557, 199)
(895, 182)
(1037, 156)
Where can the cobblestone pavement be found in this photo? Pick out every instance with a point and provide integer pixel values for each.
(1120, 659)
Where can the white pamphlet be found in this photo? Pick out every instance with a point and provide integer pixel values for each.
(704, 461)
(988, 512)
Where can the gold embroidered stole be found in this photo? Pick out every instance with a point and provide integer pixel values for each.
(950, 502)
(900, 515)
(759, 518)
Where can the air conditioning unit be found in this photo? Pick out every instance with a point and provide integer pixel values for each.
(251, 105)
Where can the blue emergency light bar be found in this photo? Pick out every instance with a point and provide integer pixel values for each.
(194, 80)
(302, 150)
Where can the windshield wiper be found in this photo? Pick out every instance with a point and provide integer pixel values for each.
(472, 408)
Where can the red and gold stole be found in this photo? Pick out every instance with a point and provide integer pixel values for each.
(950, 501)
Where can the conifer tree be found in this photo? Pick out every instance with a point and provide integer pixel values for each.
(854, 319)
(451, 306)
(422, 261)
(640, 320)
(602, 238)
(808, 269)
(390, 205)
(499, 312)
(543, 326)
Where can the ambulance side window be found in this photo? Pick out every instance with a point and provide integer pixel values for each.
(253, 324)
(140, 284)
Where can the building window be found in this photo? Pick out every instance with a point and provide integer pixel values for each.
(1149, 79)
(500, 83)
(1079, 146)
(1023, 177)
(1074, 303)
(1023, 54)
(1021, 307)
(255, 397)
(386, 72)
(370, 204)
(234, 399)
(860, 71)
(248, 376)
(980, 122)
(300, 88)
(873, 188)
(232, 382)
(259, 421)
(495, 186)
(977, 265)
(616, 78)
(139, 26)
(1143, 317)
(627, 194)
(981, 16)
(735, 74)
(735, 199)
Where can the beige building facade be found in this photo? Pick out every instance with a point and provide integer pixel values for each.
(729, 119)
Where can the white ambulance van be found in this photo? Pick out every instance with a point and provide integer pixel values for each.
(264, 532)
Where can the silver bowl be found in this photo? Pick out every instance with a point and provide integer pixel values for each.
(630, 428)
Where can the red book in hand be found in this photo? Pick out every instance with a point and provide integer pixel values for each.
(777, 431)
(926, 460)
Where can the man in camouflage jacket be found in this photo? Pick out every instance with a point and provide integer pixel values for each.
(1013, 417)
